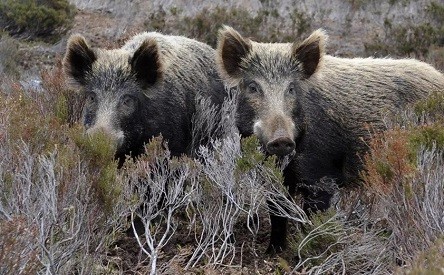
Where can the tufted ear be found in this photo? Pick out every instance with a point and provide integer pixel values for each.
(310, 52)
(146, 63)
(78, 59)
(231, 49)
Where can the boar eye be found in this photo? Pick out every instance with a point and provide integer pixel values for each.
(91, 98)
(128, 104)
(253, 88)
(291, 90)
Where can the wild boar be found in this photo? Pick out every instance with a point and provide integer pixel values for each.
(298, 100)
(145, 88)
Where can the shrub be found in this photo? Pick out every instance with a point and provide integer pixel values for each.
(403, 179)
(266, 25)
(36, 19)
(63, 102)
(421, 41)
(48, 193)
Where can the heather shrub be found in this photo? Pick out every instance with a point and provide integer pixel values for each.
(51, 218)
(403, 179)
(335, 243)
(431, 108)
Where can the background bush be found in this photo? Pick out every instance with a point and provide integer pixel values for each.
(266, 25)
(36, 18)
(423, 41)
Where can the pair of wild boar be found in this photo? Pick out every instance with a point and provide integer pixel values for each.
(292, 96)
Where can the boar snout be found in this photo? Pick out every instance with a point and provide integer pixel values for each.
(281, 146)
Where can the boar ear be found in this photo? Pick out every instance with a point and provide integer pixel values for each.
(146, 63)
(231, 49)
(78, 59)
(310, 52)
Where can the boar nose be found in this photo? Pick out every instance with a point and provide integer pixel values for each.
(281, 146)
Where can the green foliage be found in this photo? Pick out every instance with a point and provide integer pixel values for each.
(300, 22)
(394, 153)
(431, 134)
(384, 169)
(406, 40)
(427, 136)
(266, 25)
(29, 124)
(61, 108)
(98, 151)
(33, 18)
(284, 266)
(432, 107)
(97, 147)
(65, 103)
(252, 157)
(48, 124)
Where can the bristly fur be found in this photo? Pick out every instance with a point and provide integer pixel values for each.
(242, 53)
(294, 95)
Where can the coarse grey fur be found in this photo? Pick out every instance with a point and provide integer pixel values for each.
(145, 88)
(299, 100)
